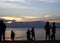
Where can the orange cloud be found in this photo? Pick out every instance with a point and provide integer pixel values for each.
(53, 20)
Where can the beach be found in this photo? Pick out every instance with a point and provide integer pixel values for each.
(37, 41)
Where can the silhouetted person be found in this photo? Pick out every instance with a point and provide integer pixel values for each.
(3, 28)
(0, 31)
(53, 30)
(33, 34)
(12, 35)
(28, 34)
(47, 29)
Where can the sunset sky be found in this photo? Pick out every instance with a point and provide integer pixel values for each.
(30, 10)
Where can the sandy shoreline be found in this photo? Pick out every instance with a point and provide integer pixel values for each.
(37, 41)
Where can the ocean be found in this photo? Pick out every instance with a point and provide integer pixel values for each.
(20, 33)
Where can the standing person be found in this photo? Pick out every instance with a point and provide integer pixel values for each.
(47, 29)
(12, 35)
(3, 28)
(33, 34)
(0, 31)
(28, 34)
(53, 30)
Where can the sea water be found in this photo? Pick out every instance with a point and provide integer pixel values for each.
(20, 33)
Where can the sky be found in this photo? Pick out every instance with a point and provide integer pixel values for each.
(30, 10)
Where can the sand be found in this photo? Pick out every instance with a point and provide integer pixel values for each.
(37, 41)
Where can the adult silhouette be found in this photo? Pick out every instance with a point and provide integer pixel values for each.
(12, 35)
(53, 30)
(0, 31)
(33, 34)
(28, 34)
(47, 29)
(3, 28)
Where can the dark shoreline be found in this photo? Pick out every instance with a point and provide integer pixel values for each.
(37, 41)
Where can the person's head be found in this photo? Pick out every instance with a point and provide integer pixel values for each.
(1, 21)
(47, 22)
(53, 23)
(32, 28)
(11, 30)
(28, 30)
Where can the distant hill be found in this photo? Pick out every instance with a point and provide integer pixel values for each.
(35, 24)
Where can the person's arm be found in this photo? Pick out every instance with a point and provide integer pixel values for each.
(50, 26)
(5, 26)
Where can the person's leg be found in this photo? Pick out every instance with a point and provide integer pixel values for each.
(13, 38)
(46, 36)
(49, 36)
(54, 36)
(34, 38)
(0, 37)
(3, 35)
(27, 38)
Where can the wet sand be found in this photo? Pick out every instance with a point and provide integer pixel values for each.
(37, 41)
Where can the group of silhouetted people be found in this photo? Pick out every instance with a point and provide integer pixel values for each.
(31, 34)
(50, 31)
(2, 31)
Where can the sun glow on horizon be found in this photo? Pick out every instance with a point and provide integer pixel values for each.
(31, 17)
(20, 19)
(26, 19)
(12, 18)
(52, 20)
(9, 22)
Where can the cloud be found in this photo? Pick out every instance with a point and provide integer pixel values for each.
(52, 1)
(27, 19)
(47, 16)
(31, 18)
(10, 5)
(12, 18)
(54, 20)
(21, 18)
(22, 1)
(9, 22)
(13, 0)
